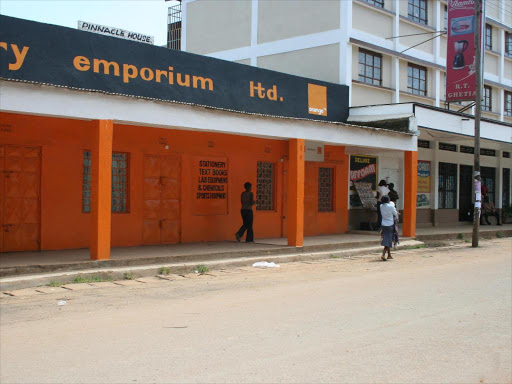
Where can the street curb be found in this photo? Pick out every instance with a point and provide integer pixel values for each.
(487, 234)
(36, 280)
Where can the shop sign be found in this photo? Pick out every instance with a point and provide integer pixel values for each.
(209, 185)
(115, 32)
(53, 55)
(460, 63)
(314, 151)
(424, 180)
(363, 169)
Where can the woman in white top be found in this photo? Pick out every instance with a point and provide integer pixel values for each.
(382, 190)
(388, 213)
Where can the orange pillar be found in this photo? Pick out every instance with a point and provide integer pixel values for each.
(296, 193)
(410, 191)
(101, 189)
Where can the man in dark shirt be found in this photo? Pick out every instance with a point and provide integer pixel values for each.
(247, 199)
(488, 209)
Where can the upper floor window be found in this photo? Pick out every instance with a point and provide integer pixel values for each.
(370, 65)
(445, 17)
(508, 43)
(417, 11)
(417, 79)
(487, 106)
(488, 36)
(377, 3)
(508, 103)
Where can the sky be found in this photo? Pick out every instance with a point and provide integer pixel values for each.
(147, 16)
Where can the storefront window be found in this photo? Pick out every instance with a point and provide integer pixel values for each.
(265, 186)
(120, 176)
(325, 190)
(447, 186)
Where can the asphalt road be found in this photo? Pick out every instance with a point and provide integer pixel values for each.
(429, 316)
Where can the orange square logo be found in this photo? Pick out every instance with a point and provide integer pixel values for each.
(317, 100)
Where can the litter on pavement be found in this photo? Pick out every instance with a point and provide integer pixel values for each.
(61, 302)
(265, 264)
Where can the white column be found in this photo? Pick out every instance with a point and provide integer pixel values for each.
(345, 70)
(254, 32)
(438, 87)
(184, 25)
(396, 25)
(437, 23)
(502, 13)
(396, 75)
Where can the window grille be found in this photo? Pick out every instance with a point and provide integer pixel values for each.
(508, 43)
(506, 187)
(488, 36)
(325, 190)
(445, 17)
(508, 103)
(423, 144)
(377, 3)
(506, 154)
(487, 106)
(120, 175)
(370, 66)
(417, 11)
(488, 179)
(265, 178)
(487, 152)
(447, 186)
(119, 182)
(417, 80)
(448, 147)
(86, 182)
(174, 27)
(465, 149)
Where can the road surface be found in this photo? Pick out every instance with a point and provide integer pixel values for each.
(428, 316)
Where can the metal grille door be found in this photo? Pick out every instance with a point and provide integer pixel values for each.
(20, 171)
(161, 215)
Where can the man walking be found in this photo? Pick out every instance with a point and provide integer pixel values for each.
(247, 199)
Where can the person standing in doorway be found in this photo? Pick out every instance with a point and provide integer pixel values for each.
(389, 215)
(247, 199)
(382, 190)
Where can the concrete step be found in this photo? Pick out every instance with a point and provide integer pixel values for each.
(139, 271)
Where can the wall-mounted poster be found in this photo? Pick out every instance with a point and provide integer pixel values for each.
(424, 177)
(363, 169)
(209, 185)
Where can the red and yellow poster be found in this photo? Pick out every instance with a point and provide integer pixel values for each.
(460, 58)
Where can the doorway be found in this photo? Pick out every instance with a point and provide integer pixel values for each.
(161, 200)
(20, 197)
(466, 193)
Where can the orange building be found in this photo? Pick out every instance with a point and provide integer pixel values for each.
(100, 146)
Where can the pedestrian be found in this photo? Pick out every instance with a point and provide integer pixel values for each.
(247, 199)
(488, 209)
(389, 214)
(393, 195)
(382, 190)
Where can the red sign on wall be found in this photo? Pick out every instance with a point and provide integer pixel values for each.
(460, 58)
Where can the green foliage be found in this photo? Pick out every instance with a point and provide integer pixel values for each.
(164, 270)
(202, 269)
(56, 283)
(499, 235)
(128, 276)
(91, 279)
(460, 236)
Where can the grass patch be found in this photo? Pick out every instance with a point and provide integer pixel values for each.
(164, 270)
(460, 236)
(56, 284)
(128, 276)
(417, 246)
(467, 241)
(91, 279)
(499, 235)
(335, 256)
(202, 269)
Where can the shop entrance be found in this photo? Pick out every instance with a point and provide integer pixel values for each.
(20, 196)
(488, 176)
(465, 193)
(161, 200)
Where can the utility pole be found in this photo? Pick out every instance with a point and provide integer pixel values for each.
(478, 114)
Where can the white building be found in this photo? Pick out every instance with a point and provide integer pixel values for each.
(388, 52)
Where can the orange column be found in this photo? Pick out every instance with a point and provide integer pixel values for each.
(296, 193)
(410, 191)
(101, 189)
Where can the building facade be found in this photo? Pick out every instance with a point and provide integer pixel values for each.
(387, 52)
(107, 142)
